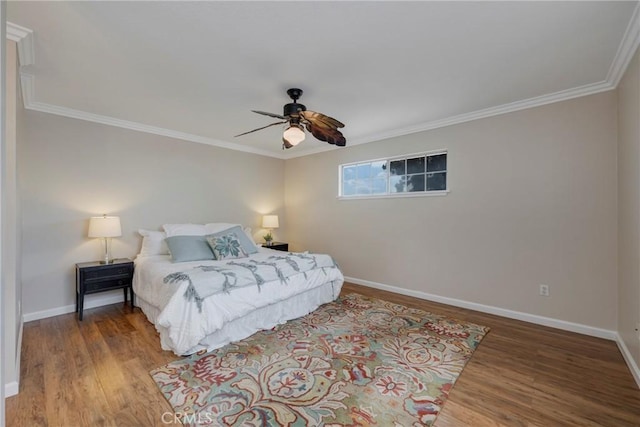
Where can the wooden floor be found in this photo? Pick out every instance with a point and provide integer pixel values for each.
(95, 372)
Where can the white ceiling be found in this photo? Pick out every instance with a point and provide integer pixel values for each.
(194, 70)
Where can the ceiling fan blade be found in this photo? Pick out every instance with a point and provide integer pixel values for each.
(327, 134)
(320, 119)
(264, 113)
(263, 127)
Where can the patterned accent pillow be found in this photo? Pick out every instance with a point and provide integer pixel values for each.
(226, 246)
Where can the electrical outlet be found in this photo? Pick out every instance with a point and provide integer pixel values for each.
(544, 290)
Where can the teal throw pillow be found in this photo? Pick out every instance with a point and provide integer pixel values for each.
(189, 248)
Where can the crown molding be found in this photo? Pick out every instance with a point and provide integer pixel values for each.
(626, 50)
(511, 107)
(27, 84)
(125, 124)
(24, 38)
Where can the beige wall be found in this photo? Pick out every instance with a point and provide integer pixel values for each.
(629, 207)
(70, 170)
(533, 200)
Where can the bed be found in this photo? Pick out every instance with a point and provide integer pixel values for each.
(207, 303)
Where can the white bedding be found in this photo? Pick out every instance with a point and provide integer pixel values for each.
(184, 328)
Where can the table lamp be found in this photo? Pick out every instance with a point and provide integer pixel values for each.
(105, 227)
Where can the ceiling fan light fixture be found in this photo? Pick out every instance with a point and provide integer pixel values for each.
(293, 135)
(296, 118)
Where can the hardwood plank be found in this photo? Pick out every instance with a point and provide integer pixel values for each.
(109, 371)
(70, 378)
(27, 409)
(96, 372)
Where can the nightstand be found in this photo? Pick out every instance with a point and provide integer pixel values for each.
(278, 246)
(93, 277)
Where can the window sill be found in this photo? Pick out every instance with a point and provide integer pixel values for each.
(396, 195)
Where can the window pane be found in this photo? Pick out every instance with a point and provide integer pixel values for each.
(348, 173)
(349, 187)
(397, 167)
(379, 186)
(379, 169)
(436, 181)
(363, 187)
(437, 163)
(415, 165)
(364, 170)
(396, 184)
(415, 182)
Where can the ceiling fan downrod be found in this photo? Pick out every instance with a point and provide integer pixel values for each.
(293, 109)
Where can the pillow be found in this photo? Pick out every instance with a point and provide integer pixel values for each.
(231, 243)
(189, 248)
(249, 233)
(185, 230)
(226, 247)
(153, 243)
(216, 227)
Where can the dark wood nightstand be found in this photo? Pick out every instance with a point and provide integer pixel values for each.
(278, 246)
(93, 277)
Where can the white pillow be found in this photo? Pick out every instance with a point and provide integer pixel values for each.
(153, 243)
(216, 227)
(185, 230)
(249, 233)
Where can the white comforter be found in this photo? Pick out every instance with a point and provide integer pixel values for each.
(188, 323)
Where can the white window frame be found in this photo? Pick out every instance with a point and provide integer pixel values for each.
(388, 195)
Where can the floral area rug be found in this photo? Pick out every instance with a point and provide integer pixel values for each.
(357, 361)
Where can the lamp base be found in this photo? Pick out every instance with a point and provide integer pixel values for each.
(106, 259)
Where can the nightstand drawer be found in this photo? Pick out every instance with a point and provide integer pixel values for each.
(103, 285)
(106, 273)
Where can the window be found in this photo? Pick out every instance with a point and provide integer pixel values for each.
(413, 175)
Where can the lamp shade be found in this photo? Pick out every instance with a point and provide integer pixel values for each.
(294, 135)
(270, 221)
(105, 226)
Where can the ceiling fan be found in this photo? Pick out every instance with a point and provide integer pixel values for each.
(297, 117)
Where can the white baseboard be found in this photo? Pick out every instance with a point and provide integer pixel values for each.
(95, 301)
(11, 389)
(631, 363)
(526, 317)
